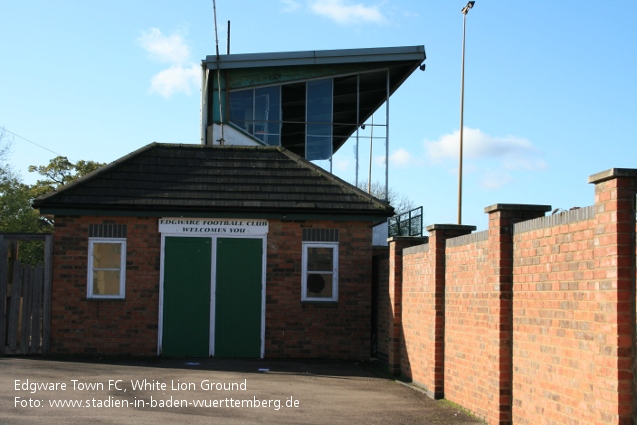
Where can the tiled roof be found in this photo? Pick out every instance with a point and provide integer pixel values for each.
(190, 179)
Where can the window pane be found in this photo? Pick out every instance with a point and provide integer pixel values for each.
(319, 285)
(267, 109)
(319, 120)
(241, 107)
(106, 255)
(106, 282)
(320, 259)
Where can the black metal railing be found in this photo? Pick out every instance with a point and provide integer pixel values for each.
(408, 223)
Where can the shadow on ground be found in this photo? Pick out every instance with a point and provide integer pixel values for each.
(203, 391)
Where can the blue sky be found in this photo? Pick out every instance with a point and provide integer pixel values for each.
(550, 87)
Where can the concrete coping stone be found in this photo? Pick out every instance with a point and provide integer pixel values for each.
(613, 173)
(423, 239)
(459, 227)
(517, 207)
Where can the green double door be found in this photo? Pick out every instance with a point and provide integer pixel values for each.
(235, 290)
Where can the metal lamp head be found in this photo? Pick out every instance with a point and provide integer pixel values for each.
(469, 5)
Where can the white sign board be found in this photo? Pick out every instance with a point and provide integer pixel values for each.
(213, 226)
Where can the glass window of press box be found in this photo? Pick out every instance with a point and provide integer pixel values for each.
(311, 118)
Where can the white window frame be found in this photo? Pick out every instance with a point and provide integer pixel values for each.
(334, 271)
(122, 268)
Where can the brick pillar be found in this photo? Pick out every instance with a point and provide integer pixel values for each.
(614, 255)
(502, 217)
(438, 235)
(396, 246)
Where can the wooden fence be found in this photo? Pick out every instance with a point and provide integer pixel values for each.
(25, 298)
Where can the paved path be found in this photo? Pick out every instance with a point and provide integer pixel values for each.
(209, 391)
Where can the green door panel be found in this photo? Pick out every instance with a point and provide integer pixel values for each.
(186, 312)
(238, 297)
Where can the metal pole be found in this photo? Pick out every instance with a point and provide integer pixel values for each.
(371, 144)
(387, 139)
(358, 118)
(214, 7)
(465, 10)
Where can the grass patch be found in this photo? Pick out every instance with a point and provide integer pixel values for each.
(452, 405)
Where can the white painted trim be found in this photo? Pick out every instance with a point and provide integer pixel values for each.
(226, 227)
(305, 246)
(264, 264)
(122, 269)
(213, 298)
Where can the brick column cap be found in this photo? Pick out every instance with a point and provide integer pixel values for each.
(458, 227)
(423, 239)
(613, 173)
(517, 207)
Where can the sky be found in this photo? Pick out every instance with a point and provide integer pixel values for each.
(550, 87)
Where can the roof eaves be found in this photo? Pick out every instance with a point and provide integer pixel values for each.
(316, 57)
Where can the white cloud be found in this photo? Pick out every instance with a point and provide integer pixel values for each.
(341, 164)
(345, 12)
(403, 157)
(514, 152)
(176, 79)
(493, 161)
(290, 5)
(182, 75)
(164, 48)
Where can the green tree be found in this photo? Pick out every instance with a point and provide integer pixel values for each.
(16, 213)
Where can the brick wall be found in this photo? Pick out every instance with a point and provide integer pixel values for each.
(130, 326)
(469, 325)
(336, 330)
(416, 326)
(381, 308)
(82, 326)
(538, 313)
(560, 320)
(395, 339)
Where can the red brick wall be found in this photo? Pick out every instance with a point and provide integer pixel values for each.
(574, 309)
(337, 330)
(395, 349)
(423, 309)
(82, 326)
(130, 326)
(416, 326)
(382, 307)
(560, 323)
(468, 328)
(540, 313)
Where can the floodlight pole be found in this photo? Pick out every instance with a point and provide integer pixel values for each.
(465, 10)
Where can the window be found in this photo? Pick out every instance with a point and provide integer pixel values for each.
(258, 112)
(318, 132)
(106, 268)
(320, 272)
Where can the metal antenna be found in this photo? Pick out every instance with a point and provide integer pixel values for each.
(214, 7)
(371, 144)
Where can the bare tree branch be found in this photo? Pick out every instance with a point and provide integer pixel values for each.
(6, 141)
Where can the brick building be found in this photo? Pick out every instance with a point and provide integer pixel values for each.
(229, 251)
(239, 246)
